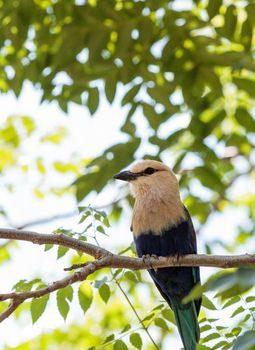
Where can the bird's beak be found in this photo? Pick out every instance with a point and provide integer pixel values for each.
(125, 176)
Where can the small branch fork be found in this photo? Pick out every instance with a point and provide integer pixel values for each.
(105, 259)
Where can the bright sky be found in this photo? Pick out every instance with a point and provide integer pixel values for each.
(88, 136)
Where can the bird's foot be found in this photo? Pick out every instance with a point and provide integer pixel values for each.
(176, 258)
(147, 259)
(149, 256)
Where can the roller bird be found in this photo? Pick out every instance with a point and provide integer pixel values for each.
(162, 226)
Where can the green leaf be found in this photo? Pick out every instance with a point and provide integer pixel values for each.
(99, 283)
(149, 317)
(203, 320)
(123, 155)
(26, 286)
(126, 328)
(161, 94)
(220, 328)
(211, 336)
(245, 341)
(62, 251)
(63, 231)
(196, 292)
(208, 304)
(3, 213)
(245, 319)
(236, 331)
(131, 276)
(245, 84)
(244, 118)
(110, 89)
(205, 328)
(239, 310)
(101, 229)
(136, 340)
(124, 37)
(3, 306)
(168, 315)
(29, 124)
(106, 222)
(250, 299)
(120, 345)
(55, 136)
(84, 216)
(130, 94)
(220, 344)
(209, 178)
(85, 295)
(230, 22)
(213, 7)
(247, 34)
(4, 255)
(202, 347)
(153, 118)
(48, 247)
(105, 292)
(38, 306)
(109, 338)
(40, 166)
(158, 307)
(93, 100)
(231, 301)
(63, 296)
(160, 322)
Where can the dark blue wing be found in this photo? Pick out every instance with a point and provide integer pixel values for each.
(177, 240)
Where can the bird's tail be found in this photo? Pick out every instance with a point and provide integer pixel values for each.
(186, 320)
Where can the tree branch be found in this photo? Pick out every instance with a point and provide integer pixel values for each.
(19, 297)
(106, 259)
(57, 239)
(118, 261)
(11, 308)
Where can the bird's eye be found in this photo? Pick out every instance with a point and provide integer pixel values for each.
(149, 171)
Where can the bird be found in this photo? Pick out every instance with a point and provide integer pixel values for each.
(162, 226)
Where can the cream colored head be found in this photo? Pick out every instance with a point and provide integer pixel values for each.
(156, 178)
(156, 190)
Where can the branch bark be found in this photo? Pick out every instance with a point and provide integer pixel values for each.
(118, 261)
(105, 258)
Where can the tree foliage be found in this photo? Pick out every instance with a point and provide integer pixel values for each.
(189, 72)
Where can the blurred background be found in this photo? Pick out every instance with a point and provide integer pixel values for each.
(87, 87)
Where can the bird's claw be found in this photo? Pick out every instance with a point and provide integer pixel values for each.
(147, 258)
(176, 258)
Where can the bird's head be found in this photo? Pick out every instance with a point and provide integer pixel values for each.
(150, 176)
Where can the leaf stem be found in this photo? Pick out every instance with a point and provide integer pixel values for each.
(137, 316)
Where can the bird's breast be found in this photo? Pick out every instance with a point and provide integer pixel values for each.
(156, 216)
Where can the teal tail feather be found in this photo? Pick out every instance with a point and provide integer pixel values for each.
(186, 320)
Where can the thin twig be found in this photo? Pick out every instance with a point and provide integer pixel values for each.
(136, 314)
(11, 308)
(57, 239)
(72, 213)
(46, 220)
(19, 297)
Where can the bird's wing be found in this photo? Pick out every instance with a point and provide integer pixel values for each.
(195, 270)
